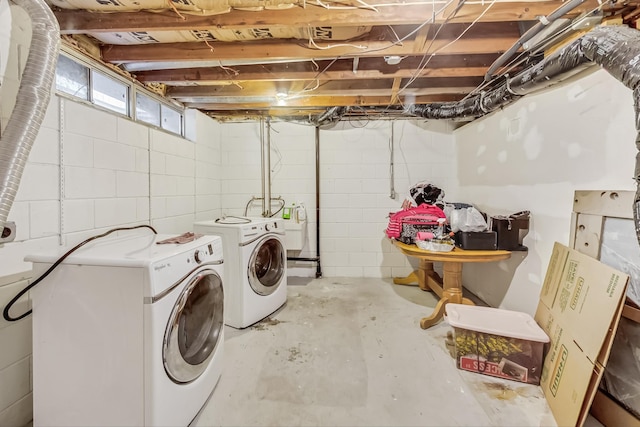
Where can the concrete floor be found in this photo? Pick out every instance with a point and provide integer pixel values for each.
(350, 352)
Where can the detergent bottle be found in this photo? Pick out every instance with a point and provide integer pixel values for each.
(300, 213)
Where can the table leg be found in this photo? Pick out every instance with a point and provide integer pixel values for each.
(451, 292)
(436, 316)
(411, 279)
(452, 281)
(425, 277)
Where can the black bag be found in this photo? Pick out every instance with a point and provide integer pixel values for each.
(426, 193)
(511, 230)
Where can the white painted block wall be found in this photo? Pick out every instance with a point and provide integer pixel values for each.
(355, 184)
(83, 178)
(532, 156)
(88, 171)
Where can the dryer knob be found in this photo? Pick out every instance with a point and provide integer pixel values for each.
(196, 256)
(266, 227)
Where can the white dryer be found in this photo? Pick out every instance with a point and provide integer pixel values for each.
(127, 332)
(255, 266)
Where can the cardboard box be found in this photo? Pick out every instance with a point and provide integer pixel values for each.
(496, 342)
(579, 308)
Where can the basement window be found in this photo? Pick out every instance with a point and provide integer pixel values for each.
(72, 78)
(171, 119)
(109, 93)
(154, 112)
(86, 79)
(147, 109)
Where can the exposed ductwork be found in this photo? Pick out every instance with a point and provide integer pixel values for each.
(614, 48)
(542, 23)
(32, 101)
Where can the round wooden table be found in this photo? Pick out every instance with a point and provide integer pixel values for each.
(449, 287)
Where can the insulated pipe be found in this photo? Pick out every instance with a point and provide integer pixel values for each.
(615, 48)
(331, 114)
(561, 65)
(529, 34)
(31, 102)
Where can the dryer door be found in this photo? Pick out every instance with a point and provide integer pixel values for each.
(194, 328)
(267, 265)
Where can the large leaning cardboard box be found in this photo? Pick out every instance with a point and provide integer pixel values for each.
(579, 309)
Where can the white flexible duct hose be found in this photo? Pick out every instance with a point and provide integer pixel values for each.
(32, 101)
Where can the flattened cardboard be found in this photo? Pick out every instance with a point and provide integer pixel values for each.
(579, 308)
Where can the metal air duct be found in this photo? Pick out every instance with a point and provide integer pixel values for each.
(32, 101)
(614, 48)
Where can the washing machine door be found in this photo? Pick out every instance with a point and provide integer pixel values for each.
(267, 265)
(194, 328)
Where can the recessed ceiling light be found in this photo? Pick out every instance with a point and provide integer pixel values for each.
(281, 98)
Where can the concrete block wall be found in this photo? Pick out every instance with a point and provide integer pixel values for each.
(356, 190)
(84, 177)
(292, 174)
(208, 166)
(355, 184)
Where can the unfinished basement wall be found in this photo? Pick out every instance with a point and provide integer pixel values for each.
(355, 185)
(88, 171)
(532, 156)
(85, 177)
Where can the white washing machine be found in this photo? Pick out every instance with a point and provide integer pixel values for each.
(255, 266)
(127, 332)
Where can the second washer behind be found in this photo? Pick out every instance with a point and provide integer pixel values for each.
(255, 260)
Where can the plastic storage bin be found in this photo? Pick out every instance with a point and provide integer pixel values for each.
(501, 343)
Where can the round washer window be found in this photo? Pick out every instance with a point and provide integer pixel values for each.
(194, 327)
(267, 266)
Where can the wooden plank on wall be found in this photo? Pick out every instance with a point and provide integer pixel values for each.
(618, 204)
(588, 234)
(590, 208)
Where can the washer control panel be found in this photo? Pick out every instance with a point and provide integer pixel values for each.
(167, 271)
(258, 228)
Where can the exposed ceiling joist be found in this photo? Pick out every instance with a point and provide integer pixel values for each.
(79, 22)
(374, 54)
(478, 40)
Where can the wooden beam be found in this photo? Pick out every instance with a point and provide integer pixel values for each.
(325, 101)
(216, 74)
(285, 50)
(394, 90)
(420, 41)
(333, 88)
(369, 67)
(81, 21)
